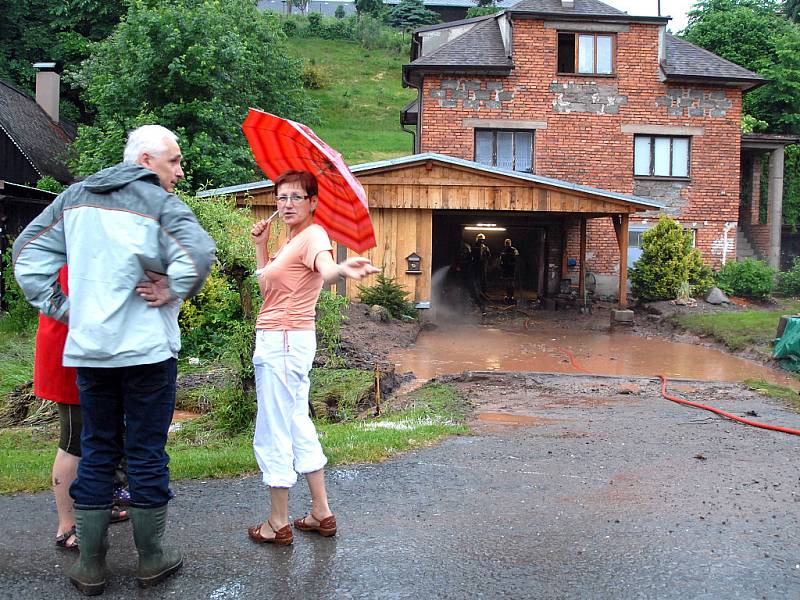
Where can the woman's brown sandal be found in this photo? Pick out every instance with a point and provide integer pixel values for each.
(61, 541)
(283, 536)
(326, 527)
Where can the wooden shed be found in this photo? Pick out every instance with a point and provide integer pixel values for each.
(429, 205)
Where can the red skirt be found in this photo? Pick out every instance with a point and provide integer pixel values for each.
(51, 379)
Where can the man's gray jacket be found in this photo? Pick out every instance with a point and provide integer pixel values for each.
(110, 228)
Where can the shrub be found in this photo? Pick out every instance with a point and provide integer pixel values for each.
(19, 314)
(479, 11)
(314, 21)
(390, 295)
(339, 12)
(312, 76)
(329, 325)
(410, 14)
(668, 260)
(290, 27)
(789, 281)
(749, 278)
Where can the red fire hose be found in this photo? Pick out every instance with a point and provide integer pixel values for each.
(573, 361)
(722, 413)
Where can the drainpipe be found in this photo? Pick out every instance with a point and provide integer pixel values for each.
(725, 230)
(415, 136)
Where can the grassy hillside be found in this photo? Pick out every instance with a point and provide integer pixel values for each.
(361, 98)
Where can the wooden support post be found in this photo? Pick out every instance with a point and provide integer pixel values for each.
(582, 281)
(621, 227)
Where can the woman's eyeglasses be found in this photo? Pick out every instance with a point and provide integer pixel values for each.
(295, 198)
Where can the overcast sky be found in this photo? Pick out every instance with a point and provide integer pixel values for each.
(676, 9)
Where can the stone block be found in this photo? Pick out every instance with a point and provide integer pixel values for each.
(448, 103)
(484, 95)
(718, 113)
(505, 96)
(725, 104)
(685, 102)
(674, 93)
(698, 94)
(494, 85)
(717, 95)
(492, 104)
(663, 101)
(460, 95)
(472, 85)
(675, 111)
(449, 84)
(621, 316)
(438, 93)
(696, 112)
(472, 103)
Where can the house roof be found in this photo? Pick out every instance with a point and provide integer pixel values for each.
(556, 7)
(479, 49)
(43, 142)
(685, 60)
(455, 3)
(366, 168)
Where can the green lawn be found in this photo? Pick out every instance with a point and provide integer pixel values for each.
(740, 329)
(361, 98)
(430, 414)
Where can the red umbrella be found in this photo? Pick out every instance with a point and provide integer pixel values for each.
(281, 145)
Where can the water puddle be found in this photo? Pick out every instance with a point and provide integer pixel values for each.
(511, 419)
(458, 348)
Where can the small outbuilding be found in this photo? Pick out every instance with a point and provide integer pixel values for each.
(426, 208)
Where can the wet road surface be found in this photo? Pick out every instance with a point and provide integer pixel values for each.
(454, 349)
(606, 492)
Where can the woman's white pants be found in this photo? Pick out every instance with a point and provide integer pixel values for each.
(285, 441)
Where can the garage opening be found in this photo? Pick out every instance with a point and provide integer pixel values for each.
(461, 271)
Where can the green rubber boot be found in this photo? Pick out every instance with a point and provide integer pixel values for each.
(88, 574)
(156, 563)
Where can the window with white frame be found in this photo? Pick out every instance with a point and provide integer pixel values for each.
(586, 53)
(661, 156)
(508, 149)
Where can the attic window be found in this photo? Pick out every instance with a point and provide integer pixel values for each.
(586, 53)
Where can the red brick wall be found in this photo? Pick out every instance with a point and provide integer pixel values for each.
(590, 148)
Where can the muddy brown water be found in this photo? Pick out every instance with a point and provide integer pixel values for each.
(458, 348)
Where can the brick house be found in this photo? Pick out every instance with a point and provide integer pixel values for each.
(581, 92)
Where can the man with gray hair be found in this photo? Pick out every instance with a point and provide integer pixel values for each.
(135, 251)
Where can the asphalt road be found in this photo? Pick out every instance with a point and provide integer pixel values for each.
(631, 497)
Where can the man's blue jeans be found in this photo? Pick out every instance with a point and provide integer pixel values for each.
(138, 400)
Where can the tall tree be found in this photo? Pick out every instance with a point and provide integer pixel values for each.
(754, 34)
(791, 9)
(194, 66)
(52, 30)
(410, 14)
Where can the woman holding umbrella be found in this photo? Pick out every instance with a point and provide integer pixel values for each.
(285, 440)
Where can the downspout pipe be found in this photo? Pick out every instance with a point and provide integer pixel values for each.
(407, 82)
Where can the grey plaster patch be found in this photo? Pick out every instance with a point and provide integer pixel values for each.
(472, 85)
(666, 191)
(694, 103)
(586, 97)
(484, 95)
(438, 93)
(450, 84)
(505, 96)
(472, 103)
(492, 104)
(448, 103)
(494, 85)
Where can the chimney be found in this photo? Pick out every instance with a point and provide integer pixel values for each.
(48, 88)
(567, 3)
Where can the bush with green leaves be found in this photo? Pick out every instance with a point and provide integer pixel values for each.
(339, 12)
(389, 294)
(329, 326)
(479, 11)
(668, 260)
(18, 314)
(749, 278)
(789, 281)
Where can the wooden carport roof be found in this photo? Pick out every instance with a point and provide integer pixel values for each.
(585, 199)
(430, 181)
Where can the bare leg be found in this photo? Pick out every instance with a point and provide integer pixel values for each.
(319, 497)
(65, 467)
(278, 511)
